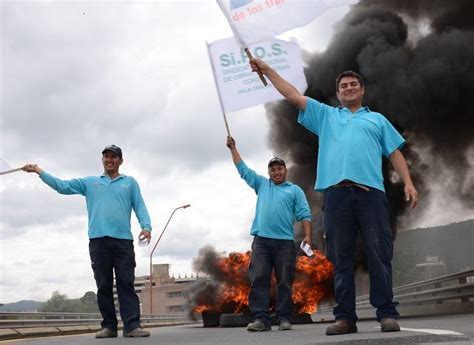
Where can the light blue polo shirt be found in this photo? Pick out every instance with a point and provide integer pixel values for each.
(278, 205)
(351, 145)
(109, 203)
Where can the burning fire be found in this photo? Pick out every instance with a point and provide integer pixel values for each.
(313, 283)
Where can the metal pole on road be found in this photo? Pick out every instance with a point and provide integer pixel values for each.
(151, 255)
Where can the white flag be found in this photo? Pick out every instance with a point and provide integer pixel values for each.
(5, 168)
(253, 21)
(238, 86)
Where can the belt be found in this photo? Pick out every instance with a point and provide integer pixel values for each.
(349, 183)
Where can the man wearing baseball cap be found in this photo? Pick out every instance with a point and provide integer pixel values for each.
(279, 204)
(110, 199)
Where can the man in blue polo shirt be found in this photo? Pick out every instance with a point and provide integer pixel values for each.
(279, 204)
(352, 140)
(110, 199)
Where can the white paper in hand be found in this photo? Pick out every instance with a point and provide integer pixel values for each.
(306, 248)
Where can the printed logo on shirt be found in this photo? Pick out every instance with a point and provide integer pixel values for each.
(125, 186)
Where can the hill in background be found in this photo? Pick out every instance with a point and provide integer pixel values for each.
(25, 305)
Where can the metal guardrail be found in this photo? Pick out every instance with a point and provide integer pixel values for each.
(31, 319)
(450, 287)
(453, 293)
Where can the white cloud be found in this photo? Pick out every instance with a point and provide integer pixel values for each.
(76, 76)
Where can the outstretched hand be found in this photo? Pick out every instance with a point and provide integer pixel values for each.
(230, 143)
(31, 168)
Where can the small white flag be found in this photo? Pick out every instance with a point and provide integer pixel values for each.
(5, 168)
(253, 21)
(238, 86)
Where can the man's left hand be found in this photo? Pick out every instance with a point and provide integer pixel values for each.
(411, 194)
(145, 234)
(307, 239)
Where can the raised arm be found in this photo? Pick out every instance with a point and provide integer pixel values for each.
(67, 187)
(400, 165)
(284, 87)
(233, 150)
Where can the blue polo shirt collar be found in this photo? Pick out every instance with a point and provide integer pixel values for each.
(120, 176)
(286, 183)
(361, 109)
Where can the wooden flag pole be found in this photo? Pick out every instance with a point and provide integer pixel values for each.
(218, 93)
(260, 74)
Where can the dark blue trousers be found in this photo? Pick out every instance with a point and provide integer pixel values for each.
(346, 211)
(109, 255)
(269, 255)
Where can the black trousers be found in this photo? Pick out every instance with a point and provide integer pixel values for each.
(347, 211)
(109, 255)
(271, 255)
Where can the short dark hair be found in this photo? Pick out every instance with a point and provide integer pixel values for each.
(349, 74)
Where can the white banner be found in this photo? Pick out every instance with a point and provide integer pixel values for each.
(238, 86)
(5, 168)
(253, 21)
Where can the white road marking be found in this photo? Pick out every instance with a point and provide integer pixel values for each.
(431, 331)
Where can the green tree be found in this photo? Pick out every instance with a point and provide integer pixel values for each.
(60, 303)
(89, 302)
(57, 303)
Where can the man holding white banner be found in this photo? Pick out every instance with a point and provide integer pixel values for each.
(280, 204)
(352, 140)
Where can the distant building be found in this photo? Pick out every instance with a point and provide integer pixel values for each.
(431, 268)
(168, 293)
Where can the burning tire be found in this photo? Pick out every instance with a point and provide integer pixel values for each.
(210, 318)
(242, 320)
(301, 318)
(235, 320)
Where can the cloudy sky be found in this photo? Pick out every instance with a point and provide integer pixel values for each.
(76, 76)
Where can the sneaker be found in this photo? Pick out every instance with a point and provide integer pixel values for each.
(106, 333)
(136, 333)
(389, 325)
(284, 325)
(258, 326)
(341, 327)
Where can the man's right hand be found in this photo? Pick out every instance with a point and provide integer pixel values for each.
(32, 168)
(230, 143)
(258, 64)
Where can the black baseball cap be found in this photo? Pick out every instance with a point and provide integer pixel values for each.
(115, 149)
(276, 160)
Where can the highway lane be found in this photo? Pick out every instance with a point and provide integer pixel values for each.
(441, 330)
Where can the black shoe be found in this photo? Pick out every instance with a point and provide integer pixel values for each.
(136, 333)
(106, 333)
(389, 325)
(341, 327)
(258, 326)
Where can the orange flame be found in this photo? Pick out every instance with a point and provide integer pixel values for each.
(313, 275)
(311, 286)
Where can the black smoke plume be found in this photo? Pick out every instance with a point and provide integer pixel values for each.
(417, 59)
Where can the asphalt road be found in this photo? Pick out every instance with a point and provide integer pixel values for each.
(442, 330)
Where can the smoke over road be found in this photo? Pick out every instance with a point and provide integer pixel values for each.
(417, 59)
